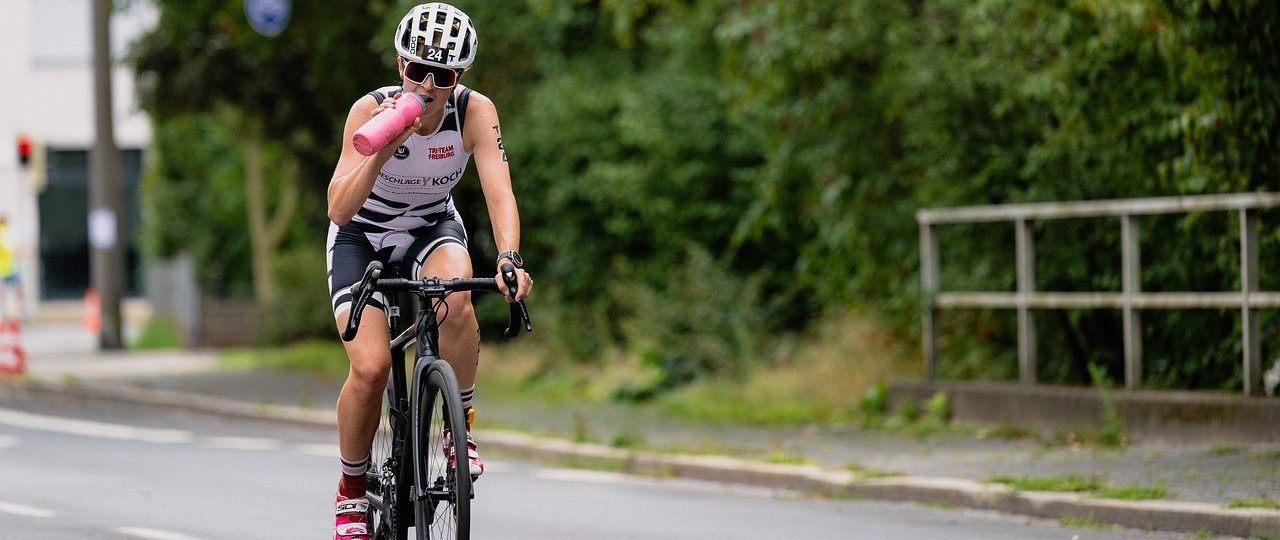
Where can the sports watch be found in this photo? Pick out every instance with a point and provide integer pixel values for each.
(514, 256)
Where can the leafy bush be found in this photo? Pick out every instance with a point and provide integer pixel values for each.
(875, 400)
(159, 333)
(705, 321)
(937, 410)
(303, 310)
(795, 139)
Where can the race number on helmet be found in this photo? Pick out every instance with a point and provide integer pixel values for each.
(438, 34)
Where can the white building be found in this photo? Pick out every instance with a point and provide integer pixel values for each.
(47, 94)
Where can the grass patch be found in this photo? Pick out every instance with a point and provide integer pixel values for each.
(626, 439)
(1226, 450)
(325, 358)
(785, 458)
(1268, 455)
(822, 381)
(1067, 483)
(1007, 431)
(1079, 522)
(1133, 493)
(1111, 431)
(159, 333)
(817, 378)
(1253, 502)
(861, 472)
(1096, 437)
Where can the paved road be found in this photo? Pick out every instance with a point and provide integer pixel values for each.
(84, 469)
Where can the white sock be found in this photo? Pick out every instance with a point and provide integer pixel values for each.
(467, 394)
(355, 468)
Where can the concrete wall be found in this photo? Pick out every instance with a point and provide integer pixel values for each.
(1150, 415)
(48, 95)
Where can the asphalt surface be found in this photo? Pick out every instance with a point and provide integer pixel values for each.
(85, 468)
(947, 469)
(1210, 473)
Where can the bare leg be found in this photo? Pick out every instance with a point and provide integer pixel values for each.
(459, 332)
(360, 402)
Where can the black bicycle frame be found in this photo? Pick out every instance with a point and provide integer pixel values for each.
(399, 411)
(426, 338)
(425, 335)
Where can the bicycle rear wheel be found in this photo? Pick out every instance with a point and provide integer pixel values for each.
(386, 478)
(443, 507)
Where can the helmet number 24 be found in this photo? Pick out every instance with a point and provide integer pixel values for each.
(431, 53)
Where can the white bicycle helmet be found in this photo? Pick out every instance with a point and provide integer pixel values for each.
(437, 34)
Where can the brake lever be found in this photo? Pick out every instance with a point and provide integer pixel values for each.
(518, 310)
(359, 297)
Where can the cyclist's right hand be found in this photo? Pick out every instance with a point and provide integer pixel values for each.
(390, 103)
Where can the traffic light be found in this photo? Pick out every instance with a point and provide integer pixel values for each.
(24, 150)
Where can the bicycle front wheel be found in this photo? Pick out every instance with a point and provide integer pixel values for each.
(387, 480)
(443, 505)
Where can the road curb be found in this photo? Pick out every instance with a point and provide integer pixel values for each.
(1179, 516)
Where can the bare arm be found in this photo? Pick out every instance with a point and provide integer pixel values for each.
(354, 175)
(484, 137)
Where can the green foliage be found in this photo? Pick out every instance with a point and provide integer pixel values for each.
(323, 358)
(875, 401)
(193, 201)
(1226, 449)
(1111, 434)
(1253, 502)
(937, 409)
(705, 321)
(1070, 483)
(158, 333)
(790, 143)
(626, 439)
(786, 458)
(303, 308)
(907, 411)
(1133, 493)
(862, 472)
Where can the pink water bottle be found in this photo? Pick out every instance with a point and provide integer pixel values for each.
(384, 126)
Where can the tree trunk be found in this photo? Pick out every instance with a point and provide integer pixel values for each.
(266, 232)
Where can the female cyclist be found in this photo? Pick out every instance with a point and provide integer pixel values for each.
(396, 205)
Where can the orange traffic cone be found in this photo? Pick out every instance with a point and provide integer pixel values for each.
(13, 359)
(92, 317)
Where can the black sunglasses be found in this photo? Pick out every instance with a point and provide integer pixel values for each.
(417, 72)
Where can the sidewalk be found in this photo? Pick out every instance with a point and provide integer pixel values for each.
(948, 468)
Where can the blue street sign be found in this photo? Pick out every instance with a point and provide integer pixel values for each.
(268, 17)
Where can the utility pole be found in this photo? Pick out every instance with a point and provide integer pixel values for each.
(106, 195)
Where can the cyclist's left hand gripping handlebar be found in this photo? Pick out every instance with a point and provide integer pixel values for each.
(360, 293)
(518, 311)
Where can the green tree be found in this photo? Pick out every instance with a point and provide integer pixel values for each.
(283, 98)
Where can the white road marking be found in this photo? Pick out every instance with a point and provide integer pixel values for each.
(10, 508)
(153, 534)
(242, 443)
(89, 428)
(319, 450)
(8, 441)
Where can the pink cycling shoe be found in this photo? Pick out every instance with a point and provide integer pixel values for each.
(351, 518)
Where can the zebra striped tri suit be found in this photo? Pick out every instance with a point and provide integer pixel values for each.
(410, 211)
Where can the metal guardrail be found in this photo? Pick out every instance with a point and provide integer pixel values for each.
(1131, 300)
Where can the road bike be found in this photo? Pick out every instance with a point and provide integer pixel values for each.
(411, 481)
